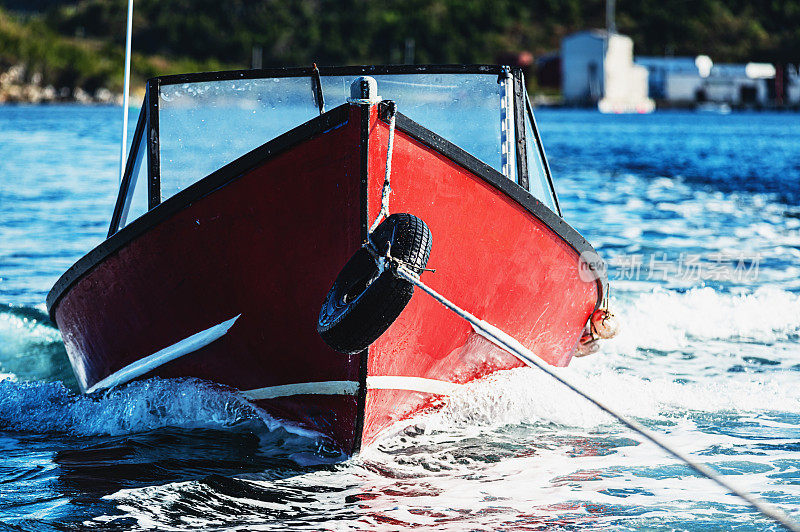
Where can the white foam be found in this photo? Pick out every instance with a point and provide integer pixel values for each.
(669, 319)
(140, 406)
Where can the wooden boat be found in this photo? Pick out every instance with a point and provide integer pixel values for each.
(243, 199)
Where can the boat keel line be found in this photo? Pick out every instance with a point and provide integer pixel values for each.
(388, 382)
(176, 350)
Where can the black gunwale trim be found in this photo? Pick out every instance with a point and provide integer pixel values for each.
(524, 198)
(183, 199)
(128, 174)
(542, 153)
(519, 131)
(354, 70)
(153, 146)
(363, 357)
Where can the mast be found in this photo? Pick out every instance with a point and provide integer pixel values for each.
(125, 102)
(611, 18)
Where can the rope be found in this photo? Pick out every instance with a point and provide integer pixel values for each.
(316, 87)
(387, 188)
(508, 343)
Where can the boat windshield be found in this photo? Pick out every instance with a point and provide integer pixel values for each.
(203, 125)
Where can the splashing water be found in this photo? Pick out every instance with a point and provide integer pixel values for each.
(711, 362)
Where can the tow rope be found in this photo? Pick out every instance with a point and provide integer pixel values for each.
(508, 343)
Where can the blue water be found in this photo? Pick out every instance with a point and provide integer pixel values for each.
(698, 216)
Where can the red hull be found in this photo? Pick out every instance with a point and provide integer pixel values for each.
(264, 240)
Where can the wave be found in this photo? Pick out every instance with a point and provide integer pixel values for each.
(31, 347)
(50, 407)
(698, 150)
(668, 319)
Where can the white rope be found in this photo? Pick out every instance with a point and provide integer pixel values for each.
(387, 187)
(127, 85)
(508, 343)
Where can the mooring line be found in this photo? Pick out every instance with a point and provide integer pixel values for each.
(508, 343)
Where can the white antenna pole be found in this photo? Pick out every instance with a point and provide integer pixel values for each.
(125, 103)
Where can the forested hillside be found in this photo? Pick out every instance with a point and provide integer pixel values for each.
(79, 42)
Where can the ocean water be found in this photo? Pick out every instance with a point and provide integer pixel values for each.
(698, 216)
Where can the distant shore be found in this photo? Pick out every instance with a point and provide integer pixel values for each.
(32, 94)
(14, 88)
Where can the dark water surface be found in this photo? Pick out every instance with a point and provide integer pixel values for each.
(699, 218)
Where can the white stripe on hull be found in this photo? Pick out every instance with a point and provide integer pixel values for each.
(411, 384)
(203, 338)
(304, 388)
(176, 350)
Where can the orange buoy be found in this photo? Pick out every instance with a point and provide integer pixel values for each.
(604, 324)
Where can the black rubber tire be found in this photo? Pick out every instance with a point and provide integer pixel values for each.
(363, 302)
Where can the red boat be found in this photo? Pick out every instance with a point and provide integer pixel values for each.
(243, 199)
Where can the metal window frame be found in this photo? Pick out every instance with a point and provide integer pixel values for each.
(523, 179)
(297, 72)
(146, 124)
(542, 154)
(507, 129)
(125, 195)
(153, 145)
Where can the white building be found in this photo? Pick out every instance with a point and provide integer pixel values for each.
(597, 69)
(692, 80)
(674, 79)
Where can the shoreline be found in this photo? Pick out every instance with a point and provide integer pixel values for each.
(31, 94)
(17, 87)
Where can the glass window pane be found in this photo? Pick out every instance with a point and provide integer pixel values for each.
(463, 108)
(203, 126)
(537, 177)
(137, 191)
